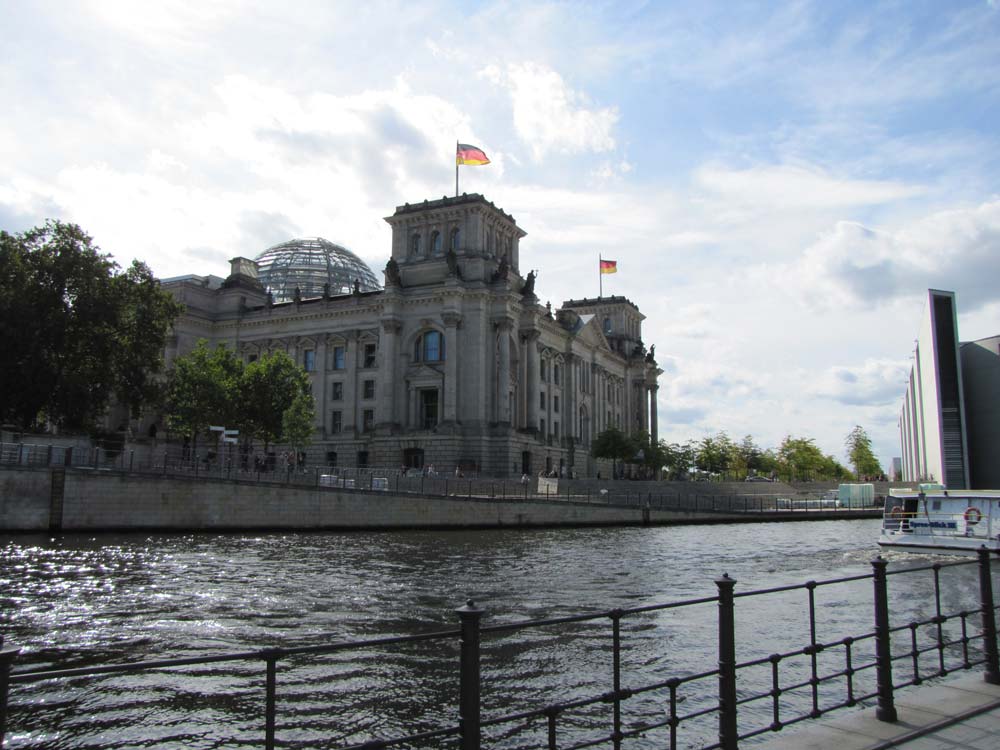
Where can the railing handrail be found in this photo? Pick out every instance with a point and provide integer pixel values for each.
(727, 672)
(475, 488)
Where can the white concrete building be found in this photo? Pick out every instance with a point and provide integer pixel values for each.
(950, 420)
(453, 362)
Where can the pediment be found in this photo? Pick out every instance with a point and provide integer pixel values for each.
(591, 333)
(424, 374)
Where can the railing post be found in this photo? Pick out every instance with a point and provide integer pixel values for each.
(7, 657)
(886, 707)
(728, 733)
(992, 674)
(469, 685)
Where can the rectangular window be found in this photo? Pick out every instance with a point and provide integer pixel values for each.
(555, 430)
(541, 399)
(336, 421)
(541, 425)
(370, 350)
(428, 408)
(338, 358)
(309, 360)
(338, 392)
(362, 459)
(368, 420)
(543, 369)
(555, 374)
(369, 392)
(555, 404)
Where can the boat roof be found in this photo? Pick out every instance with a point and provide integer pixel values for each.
(906, 492)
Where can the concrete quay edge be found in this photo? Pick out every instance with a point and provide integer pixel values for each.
(961, 712)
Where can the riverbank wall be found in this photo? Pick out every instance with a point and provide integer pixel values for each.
(78, 500)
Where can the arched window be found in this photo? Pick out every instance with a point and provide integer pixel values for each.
(415, 244)
(436, 243)
(454, 240)
(429, 347)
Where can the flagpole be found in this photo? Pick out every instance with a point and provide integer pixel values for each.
(456, 169)
(600, 277)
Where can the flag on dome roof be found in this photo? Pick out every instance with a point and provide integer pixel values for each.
(609, 266)
(470, 155)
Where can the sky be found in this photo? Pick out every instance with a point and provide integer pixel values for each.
(780, 183)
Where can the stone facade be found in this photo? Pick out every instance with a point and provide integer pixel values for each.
(454, 362)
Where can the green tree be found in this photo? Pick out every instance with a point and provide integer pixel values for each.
(268, 388)
(679, 458)
(652, 456)
(747, 457)
(612, 443)
(800, 460)
(859, 453)
(714, 454)
(297, 422)
(202, 390)
(76, 331)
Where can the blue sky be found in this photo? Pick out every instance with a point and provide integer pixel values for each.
(780, 183)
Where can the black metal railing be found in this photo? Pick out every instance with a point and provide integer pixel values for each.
(183, 465)
(800, 683)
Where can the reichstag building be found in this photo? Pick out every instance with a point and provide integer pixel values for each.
(451, 361)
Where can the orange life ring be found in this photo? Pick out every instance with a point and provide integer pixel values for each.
(896, 512)
(973, 516)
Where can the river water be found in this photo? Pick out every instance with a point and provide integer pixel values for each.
(78, 600)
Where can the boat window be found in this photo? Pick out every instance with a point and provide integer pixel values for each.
(936, 505)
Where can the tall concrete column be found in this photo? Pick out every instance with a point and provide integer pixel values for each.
(570, 416)
(387, 372)
(352, 391)
(600, 400)
(502, 328)
(653, 419)
(320, 386)
(452, 321)
(532, 377)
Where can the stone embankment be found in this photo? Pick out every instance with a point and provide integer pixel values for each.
(57, 499)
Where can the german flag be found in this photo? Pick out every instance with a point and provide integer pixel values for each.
(609, 266)
(470, 155)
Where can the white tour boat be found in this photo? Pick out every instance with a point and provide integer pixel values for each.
(933, 519)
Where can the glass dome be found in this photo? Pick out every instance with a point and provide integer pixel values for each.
(308, 264)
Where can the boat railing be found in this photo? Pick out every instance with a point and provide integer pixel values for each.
(970, 522)
(638, 691)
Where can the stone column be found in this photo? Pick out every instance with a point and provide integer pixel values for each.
(321, 385)
(502, 329)
(387, 372)
(653, 420)
(531, 378)
(570, 410)
(352, 391)
(602, 399)
(452, 322)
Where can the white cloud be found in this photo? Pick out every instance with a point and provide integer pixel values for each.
(549, 115)
(953, 249)
(875, 382)
(794, 186)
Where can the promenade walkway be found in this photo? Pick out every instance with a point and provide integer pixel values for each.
(947, 714)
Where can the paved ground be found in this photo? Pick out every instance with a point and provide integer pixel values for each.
(948, 714)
